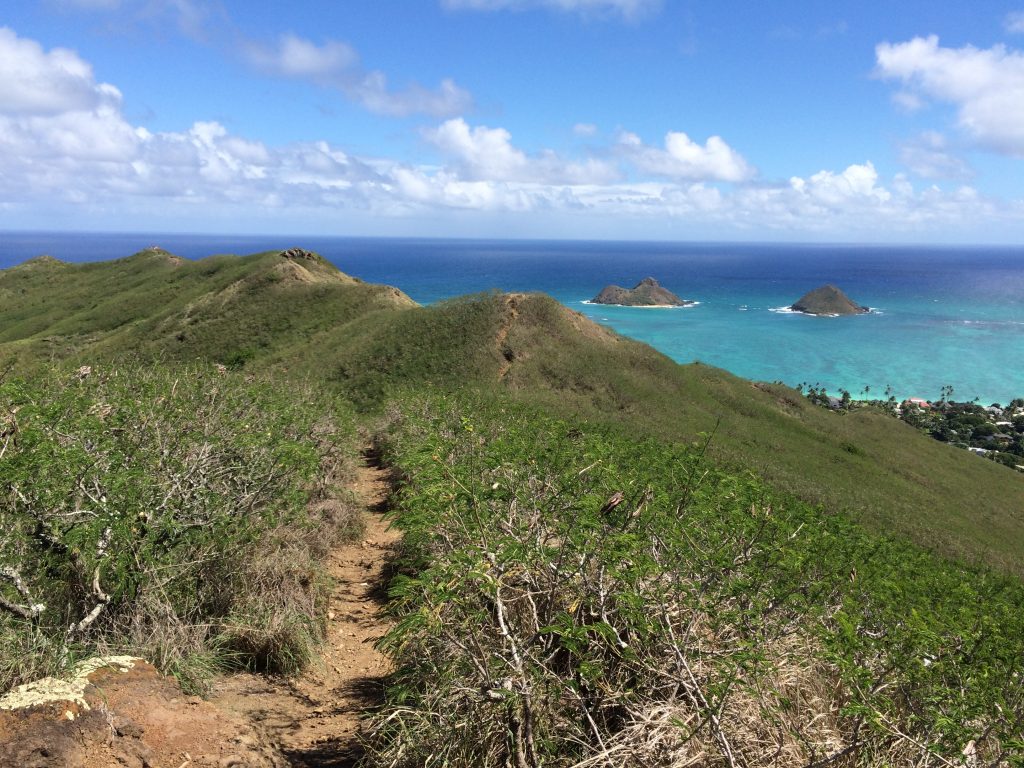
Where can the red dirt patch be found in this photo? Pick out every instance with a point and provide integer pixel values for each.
(137, 719)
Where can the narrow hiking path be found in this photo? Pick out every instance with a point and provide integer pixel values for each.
(315, 717)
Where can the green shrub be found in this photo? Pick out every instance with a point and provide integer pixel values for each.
(166, 512)
(571, 596)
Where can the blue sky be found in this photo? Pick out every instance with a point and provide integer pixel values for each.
(624, 119)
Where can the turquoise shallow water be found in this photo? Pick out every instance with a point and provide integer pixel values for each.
(945, 316)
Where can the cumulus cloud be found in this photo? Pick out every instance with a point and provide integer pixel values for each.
(63, 137)
(629, 9)
(826, 188)
(683, 158)
(78, 154)
(856, 202)
(985, 85)
(482, 153)
(1014, 22)
(38, 82)
(929, 156)
(585, 129)
(336, 65)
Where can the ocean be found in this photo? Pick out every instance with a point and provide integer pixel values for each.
(942, 316)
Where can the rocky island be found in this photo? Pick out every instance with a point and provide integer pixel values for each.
(646, 293)
(827, 300)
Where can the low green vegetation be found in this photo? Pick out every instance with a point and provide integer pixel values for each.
(573, 595)
(294, 314)
(608, 560)
(535, 351)
(224, 309)
(178, 513)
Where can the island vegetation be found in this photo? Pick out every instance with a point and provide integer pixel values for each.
(828, 301)
(608, 559)
(646, 293)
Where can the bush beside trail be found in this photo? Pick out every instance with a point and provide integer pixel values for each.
(573, 596)
(177, 513)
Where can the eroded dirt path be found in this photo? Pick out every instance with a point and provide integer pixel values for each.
(315, 717)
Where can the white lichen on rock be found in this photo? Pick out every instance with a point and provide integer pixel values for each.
(52, 689)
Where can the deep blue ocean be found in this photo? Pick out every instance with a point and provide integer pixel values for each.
(943, 315)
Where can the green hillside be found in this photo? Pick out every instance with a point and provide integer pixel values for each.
(297, 312)
(572, 595)
(867, 464)
(607, 558)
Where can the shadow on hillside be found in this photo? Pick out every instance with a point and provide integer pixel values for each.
(367, 694)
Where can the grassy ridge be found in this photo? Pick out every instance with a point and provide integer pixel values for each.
(575, 596)
(369, 343)
(609, 559)
(224, 309)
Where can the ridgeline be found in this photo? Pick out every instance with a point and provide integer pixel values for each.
(278, 312)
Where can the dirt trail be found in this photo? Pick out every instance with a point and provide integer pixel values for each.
(315, 717)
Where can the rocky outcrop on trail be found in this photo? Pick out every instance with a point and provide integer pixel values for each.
(122, 712)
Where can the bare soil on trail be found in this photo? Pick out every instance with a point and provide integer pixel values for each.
(123, 712)
(314, 718)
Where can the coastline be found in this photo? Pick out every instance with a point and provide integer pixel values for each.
(687, 305)
(791, 311)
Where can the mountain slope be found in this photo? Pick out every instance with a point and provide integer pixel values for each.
(531, 348)
(370, 342)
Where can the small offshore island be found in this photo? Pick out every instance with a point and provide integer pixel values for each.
(646, 293)
(827, 301)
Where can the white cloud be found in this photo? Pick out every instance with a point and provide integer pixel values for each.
(1014, 22)
(585, 129)
(683, 158)
(854, 202)
(37, 82)
(833, 190)
(336, 65)
(296, 57)
(985, 85)
(629, 9)
(482, 153)
(930, 157)
(79, 159)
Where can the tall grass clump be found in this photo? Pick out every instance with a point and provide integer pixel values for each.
(569, 596)
(176, 513)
